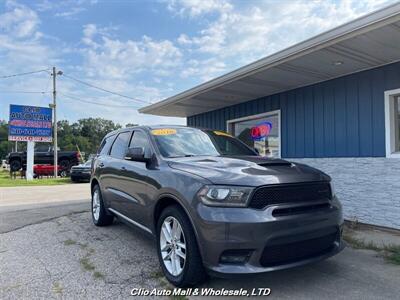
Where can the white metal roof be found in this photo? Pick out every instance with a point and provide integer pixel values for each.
(367, 42)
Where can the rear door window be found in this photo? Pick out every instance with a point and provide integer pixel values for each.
(118, 149)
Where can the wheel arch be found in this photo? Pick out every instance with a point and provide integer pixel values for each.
(64, 158)
(93, 183)
(166, 200)
(15, 158)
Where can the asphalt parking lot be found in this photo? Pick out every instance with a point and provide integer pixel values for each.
(65, 256)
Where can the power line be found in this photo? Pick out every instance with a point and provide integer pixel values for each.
(95, 103)
(47, 90)
(23, 74)
(23, 92)
(104, 90)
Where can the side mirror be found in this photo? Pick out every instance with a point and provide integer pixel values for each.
(136, 154)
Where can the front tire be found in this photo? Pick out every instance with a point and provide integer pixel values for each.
(99, 213)
(177, 249)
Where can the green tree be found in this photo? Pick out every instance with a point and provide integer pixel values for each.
(5, 145)
(85, 133)
(131, 125)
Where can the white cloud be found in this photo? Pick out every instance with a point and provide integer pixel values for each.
(195, 8)
(71, 12)
(243, 33)
(125, 66)
(108, 62)
(21, 43)
(231, 34)
(203, 69)
(20, 21)
(113, 58)
(67, 9)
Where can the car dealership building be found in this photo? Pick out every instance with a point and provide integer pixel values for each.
(332, 101)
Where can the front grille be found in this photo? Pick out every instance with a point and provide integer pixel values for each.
(297, 251)
(288, 211)
(80, 170)
(290, 193)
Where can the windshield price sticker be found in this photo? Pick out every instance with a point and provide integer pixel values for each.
(163, 131)
(222, 133)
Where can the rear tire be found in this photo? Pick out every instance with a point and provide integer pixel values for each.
(190, 268)
(15, 165)
(99, 213)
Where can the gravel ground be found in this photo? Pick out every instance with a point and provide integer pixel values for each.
(69, 258)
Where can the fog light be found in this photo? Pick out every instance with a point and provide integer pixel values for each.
(235, 256)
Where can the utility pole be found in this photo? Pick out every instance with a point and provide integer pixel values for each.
(54, 106)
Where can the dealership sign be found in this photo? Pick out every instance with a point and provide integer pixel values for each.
(30, 123)
(261, 131)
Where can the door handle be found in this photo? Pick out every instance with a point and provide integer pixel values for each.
(123, 168)
(101, 165)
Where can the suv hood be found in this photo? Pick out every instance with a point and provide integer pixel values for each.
(247, 170)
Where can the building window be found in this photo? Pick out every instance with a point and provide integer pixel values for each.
(261, 132)
(392, 123)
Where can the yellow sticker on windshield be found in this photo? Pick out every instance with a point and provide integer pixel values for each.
(163, 131)
(222, 133)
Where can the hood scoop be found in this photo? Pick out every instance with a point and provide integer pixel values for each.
(207, 160)
(275, 163)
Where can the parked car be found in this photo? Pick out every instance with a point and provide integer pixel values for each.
(4, 164)
(214, 205)
(47, 170)
(44, 155)
(81, 172)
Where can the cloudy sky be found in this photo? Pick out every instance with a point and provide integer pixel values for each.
(146, 50)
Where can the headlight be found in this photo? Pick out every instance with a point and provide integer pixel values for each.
(218, 195)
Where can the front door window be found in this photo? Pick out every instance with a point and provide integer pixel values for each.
(261, 133)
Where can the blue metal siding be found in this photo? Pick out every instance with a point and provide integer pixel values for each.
(343, 117)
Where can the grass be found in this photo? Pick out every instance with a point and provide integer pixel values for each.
(97, 275)
(57, 288)
(86, 264)
(6, 181)
(359, 244)
(391, 253)
(69, 242)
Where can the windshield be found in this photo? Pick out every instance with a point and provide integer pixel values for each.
(180, 142)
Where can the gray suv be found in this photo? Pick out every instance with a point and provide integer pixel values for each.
(212, 203)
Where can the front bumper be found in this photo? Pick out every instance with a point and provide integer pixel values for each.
(77, 176)
(264, 237)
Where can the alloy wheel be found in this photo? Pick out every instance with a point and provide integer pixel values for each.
(96, 205)
(173, 246)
